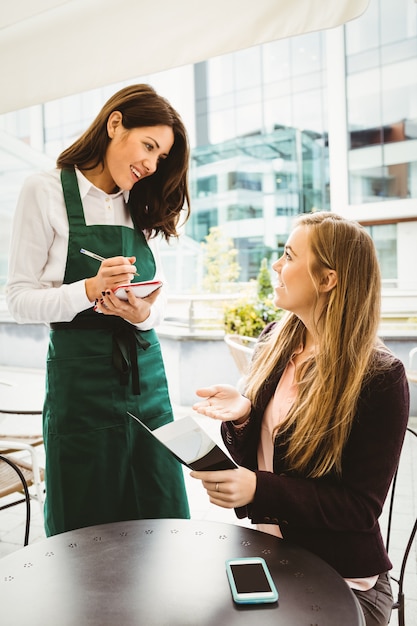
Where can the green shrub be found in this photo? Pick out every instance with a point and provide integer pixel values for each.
(249, 317)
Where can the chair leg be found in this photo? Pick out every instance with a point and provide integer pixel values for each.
(37, 479)
(401, 610)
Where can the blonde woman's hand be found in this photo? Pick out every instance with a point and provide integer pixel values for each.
(223, 402)
(228, 488)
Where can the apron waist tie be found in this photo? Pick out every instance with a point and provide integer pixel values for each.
(126, 339)
(125, 355)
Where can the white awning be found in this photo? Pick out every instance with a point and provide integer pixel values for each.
(53, 48)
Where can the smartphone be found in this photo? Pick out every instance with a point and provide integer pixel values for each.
(250, 580)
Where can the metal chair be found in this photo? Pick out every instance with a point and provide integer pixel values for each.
(410, 371)
(34, 473)
(15, 476)
(241, 349)
(399, 602)
(21, 400)
(18, 474)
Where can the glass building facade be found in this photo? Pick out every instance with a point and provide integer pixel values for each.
(261, 154)
(381, 70)
(322, 121)
(381, 114)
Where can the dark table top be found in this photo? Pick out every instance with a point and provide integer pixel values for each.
(165, 572)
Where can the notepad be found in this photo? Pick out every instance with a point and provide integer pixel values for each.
(140, 290)
(191, 444)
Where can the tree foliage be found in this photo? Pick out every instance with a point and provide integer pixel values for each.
(220, 264)
(265, 288)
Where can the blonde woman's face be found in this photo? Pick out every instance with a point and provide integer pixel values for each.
(295, 290)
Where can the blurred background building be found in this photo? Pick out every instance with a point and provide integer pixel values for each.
(322, 121)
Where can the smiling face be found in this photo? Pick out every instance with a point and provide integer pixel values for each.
(133, 154)
(296, 290)
(303, 286)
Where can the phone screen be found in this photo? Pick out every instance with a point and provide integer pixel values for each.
(250, 578)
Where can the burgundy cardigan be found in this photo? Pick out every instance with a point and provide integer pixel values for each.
(334, 517)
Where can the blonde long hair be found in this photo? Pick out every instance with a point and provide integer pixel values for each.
(329, 382)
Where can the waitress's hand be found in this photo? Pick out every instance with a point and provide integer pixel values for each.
(223, 402)
(228, 488)
(117, 270)
(134, 310)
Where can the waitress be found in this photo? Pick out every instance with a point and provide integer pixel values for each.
(119, 188)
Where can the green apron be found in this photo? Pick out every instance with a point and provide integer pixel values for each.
(100, 465)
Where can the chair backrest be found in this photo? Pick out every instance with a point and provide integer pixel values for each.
(241, 349)
(411, 370)
(396, 497)
(15, 477)
(33, 472)
(21, 428)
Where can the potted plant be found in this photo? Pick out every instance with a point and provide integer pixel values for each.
(249, 315)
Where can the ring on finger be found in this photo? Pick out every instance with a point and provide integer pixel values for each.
(217, 486)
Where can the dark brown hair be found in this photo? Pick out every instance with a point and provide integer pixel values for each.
(157, 201)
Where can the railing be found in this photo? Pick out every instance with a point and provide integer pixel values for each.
(198, 312)
(205, 312)
(194, 312)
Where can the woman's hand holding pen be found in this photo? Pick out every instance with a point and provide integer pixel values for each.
(223, 402)
(112, 272)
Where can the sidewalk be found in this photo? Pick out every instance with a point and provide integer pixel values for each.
(12, 520)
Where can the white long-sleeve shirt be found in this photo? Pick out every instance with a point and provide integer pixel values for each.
(35, 292)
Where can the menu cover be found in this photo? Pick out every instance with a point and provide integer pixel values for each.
(140, 290)
(191, 444)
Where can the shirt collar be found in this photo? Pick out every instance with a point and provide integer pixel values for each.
(85, 187)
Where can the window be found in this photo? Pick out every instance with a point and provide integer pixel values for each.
(382, 102)
(243, 212)
(251, 251)
(385, 239)
(245, 180)
(199, 224)
(206, 186)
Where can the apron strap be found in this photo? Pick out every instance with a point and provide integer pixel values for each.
(72, 198)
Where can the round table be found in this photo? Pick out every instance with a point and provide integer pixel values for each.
(165, 572)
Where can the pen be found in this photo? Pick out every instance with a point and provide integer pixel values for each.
(97, 257)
